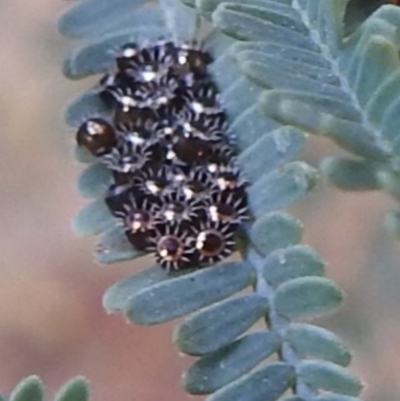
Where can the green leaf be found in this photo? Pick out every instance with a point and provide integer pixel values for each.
(116, 298)
(242, 22)
(259, 50)
(237, 97)
(85, 17)
(274, 231)
(114, 246)
(265, 384)
(293, 398)
(269, 72)
(353, 136)
(307, 296)
(189, 3)
(317, 342)
(336, 397)
(97, 56)
(180, 19)
(384, 96)
(173, 298)
(148, 15)
(349, 174)
(378, 60)
(216, 43)
(86, 105)
(249, 127)
(207, 7)
(390, 180)
(329, 376)
(275, 16)
(218, 325)
(319, 85)
(29, 389)
(290, 263)
(94, 181)
(329, 101)
(281, 187)
(222, 367)
(74, 390)
(270, 151)
(392, 223)
(83, 156)
(298, 51)
(224, 72)
(92, 219)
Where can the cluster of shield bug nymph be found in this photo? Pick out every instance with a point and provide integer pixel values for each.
(175, 188)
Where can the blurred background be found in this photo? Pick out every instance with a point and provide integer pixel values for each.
(51, 319)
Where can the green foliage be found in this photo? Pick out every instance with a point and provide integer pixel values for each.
(157, 304)
(31, 389)
(315, 78)
(216, 369)
(74, 390)
(275, 62)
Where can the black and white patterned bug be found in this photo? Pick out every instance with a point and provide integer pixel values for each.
(214, 240)
(176, 188)
(228, 205)
(190, 59)
(198, 184)
(137, 217)
(146, 64)
(202, 98)
(155, 182)
(210, 127)
(129, 156)
(97, 136)
(139, 131)
(177, 208)
(173, 247)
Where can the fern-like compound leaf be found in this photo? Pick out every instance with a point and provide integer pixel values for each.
(316, 78)
(287, 278)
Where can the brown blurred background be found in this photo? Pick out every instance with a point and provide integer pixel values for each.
(51, 320)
